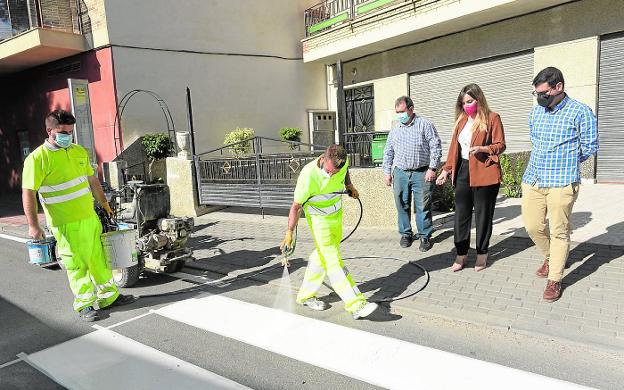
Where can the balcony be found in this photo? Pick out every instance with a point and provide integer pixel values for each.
(331, 13)
(34, 32)
(348, 29)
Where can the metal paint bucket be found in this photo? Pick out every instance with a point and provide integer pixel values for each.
(41, 252)
(120, 248)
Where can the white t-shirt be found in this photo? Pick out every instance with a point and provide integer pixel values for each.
(464, 138)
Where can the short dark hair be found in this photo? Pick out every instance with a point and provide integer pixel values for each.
(550, 75)
(59, 117)
(337, 154)
(409, 103)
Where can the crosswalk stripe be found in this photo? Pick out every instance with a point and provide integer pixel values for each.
(372, 358)
(13, 238)
(104, 359)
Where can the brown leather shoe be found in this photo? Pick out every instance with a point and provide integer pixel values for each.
(542, 272)
(552, 292)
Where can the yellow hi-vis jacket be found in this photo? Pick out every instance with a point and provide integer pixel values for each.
(317, 188)
(60, 175)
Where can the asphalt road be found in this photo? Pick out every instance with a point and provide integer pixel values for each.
(35, 314)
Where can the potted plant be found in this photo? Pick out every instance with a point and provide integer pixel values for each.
(157, 147)
(236, 137)
(290, 134)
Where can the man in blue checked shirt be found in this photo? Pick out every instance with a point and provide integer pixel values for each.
(563, 134)
(411, 157)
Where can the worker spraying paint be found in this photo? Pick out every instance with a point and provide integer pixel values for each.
(318, 193)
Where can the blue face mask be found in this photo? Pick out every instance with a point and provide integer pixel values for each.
(63, 140)
(403, 117)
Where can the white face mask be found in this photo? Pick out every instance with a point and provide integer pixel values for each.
(324, 172)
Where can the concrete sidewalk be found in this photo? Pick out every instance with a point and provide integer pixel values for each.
(506, 295)
(597, 217)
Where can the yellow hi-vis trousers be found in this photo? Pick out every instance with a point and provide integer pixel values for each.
(80, 248)
(326, 261)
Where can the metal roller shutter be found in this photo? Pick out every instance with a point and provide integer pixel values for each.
(610, 160)
(506, 83)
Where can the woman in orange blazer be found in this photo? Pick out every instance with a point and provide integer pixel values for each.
(473, 165)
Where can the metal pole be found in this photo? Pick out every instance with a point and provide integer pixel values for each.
(79, 16)
(30, 26)
(197, 180)
(196, 161)
(189, 111)
(39, 13)
(340, 104)
(257, 148)
(10, 19)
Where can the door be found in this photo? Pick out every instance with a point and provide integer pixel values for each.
(610, 159)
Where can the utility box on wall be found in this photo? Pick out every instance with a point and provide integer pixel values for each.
(322, 125)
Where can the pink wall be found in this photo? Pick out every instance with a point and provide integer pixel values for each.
(28, 96)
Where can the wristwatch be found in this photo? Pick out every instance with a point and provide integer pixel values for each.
(433, 169)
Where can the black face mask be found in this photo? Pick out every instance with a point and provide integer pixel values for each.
(544, 99)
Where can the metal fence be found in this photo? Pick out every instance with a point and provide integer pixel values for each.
(263, 176)
(327, 13)
(18, 16)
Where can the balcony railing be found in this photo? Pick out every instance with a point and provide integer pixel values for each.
(331, 13)
(19, 16)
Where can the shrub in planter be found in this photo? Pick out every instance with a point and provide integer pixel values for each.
(235, 137)
(290, 134)
(157, 146)
(513, 166)
(443, 197)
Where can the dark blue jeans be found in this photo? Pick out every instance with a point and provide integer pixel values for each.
(408, 184)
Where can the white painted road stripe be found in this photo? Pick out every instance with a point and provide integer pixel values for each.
(13, 238)
(12, 362)
(96, 326)
(379, 360)
(107, 360)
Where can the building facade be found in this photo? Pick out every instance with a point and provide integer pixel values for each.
(242, 61)
(430, 49)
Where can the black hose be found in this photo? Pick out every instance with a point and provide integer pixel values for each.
(392, 299)
(218, 283)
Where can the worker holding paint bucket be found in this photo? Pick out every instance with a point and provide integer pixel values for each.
(318, 193)
(61, 173)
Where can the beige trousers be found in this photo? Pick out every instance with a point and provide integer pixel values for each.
(554, 241)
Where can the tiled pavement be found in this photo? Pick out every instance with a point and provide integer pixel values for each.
(506, 295)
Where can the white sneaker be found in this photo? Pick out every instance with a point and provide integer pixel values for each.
(365, 310)
(314, 304)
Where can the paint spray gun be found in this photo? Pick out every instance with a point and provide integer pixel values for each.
(289, 250)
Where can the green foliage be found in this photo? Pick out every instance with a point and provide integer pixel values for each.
(513, 167)
(290, 134)
(444, 197)
(238, 135)
(157, 145)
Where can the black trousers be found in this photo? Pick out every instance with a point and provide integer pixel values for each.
(483, 200)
